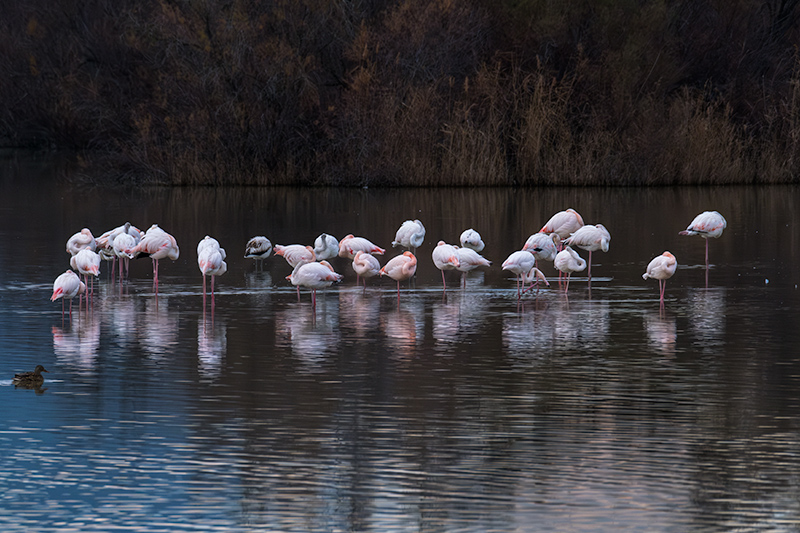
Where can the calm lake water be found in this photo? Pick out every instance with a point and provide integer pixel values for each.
(460, 411)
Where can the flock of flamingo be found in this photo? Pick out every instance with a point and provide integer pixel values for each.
(555, 241)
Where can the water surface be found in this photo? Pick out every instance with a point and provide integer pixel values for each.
(457, 411)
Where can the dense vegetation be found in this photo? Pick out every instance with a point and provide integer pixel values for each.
(410, 92)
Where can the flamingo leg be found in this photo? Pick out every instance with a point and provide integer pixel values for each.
(590, 266)
(706, 254)
(443, 283)
(204, 291)
(567, 287)
(313, 298)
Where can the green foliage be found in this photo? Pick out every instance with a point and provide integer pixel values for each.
(415, 92)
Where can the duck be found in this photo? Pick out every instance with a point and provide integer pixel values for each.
(30, 379)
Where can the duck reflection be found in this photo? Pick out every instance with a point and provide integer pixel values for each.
(311, 335)
(212, 344)
(662, 332)
(706, 309)
(76, 345)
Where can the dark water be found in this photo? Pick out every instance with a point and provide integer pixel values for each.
(457, 412)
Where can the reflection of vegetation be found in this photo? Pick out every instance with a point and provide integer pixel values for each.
(416, 92)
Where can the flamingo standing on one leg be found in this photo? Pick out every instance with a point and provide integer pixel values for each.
(366, 266)
(67, 286)
(662, 267)
(314, 276)
(472, 239)
(158, 244)
(400, 268)
(210, 260)
(543, 246)
(79, 241)
(568, 261)
(411, 234)
(445, 257)
(123, 242)
(469, 260)
(295, 255)
(519, 263)
(591, 239)
(86, 263)
(564, 223)
(258, 248)
(349, 245)
(708, 224)
(326, 247)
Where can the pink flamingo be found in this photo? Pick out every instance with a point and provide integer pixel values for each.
(211, 261)
(445, 257)
(79, 241)
(469, 260)
(326, 247)
(411, 234)
(472, 239)
(568, 261)
(349, 245)
(67, 286)
(708, 224)
(662, 267)
(314, 276)
(86, 263)
(158, 244)
(519, 263)
(296, 254)
(366, 266)
(564, 223)
(400, 268)
(591, 239)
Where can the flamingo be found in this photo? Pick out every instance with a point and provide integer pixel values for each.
(534, 276)
(295, 254)
(366, 266)
(472, 239)
(258, 248)
(79, 241)
(326, 247)
(564, 223)
(123, 242)
(468, 260)
(400, 268)
(349, 245)
(543, 246)
(662, 267)
(445, 257)
(86, 262)
(315, 275)
(67, 286)
(105, 242)
(411, 234)
(568, 261)
(158, 244)
(211, 261)
(708, 224)
(519, 263)
(591, 239)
